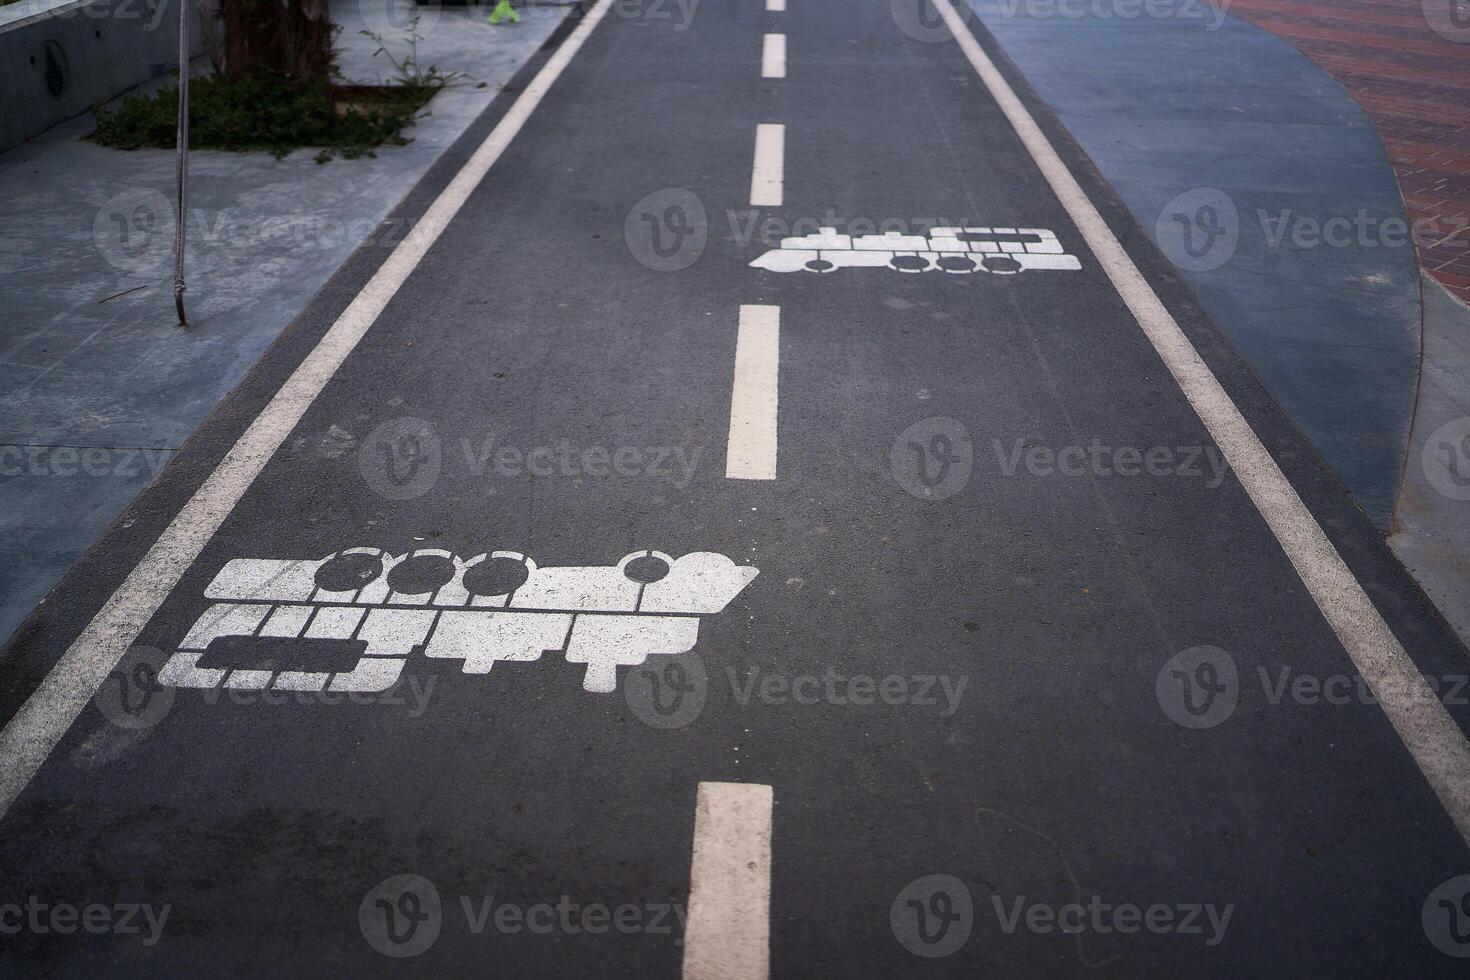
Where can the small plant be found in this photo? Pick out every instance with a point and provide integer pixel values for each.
(409, 74)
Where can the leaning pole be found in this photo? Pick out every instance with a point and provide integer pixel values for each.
(181, 221)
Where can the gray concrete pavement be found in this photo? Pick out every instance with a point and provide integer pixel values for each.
(98, 387)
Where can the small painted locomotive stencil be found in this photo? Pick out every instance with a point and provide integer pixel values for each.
(961, 251)
(494, 607)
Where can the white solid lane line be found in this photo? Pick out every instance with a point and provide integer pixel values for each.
(1427, 729)
(776, 6)
(41, 722)
(770, 163)
(773, 56)
(751, 452)
(728, 934)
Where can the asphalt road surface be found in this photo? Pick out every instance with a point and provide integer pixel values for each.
(991, 618)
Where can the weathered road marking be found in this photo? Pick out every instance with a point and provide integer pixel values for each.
(728, 935)
(960, 251)
(773, 56)
(770, 163)
(495, 607)
(751, 448)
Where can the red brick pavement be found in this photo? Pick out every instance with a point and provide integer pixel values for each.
(1414, 83)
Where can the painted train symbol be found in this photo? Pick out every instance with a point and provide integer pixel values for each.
(1003, 251)
(494, 607)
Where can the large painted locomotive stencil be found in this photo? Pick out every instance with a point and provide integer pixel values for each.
(494, 607)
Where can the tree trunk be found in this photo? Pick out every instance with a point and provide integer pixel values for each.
(281, 37)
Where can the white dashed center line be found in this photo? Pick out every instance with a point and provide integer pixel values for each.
(752, 444)
(728, 935)
(773, 56)
(770, 162)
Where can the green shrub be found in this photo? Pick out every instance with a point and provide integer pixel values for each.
(266, 113)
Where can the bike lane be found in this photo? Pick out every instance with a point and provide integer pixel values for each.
(532, 334)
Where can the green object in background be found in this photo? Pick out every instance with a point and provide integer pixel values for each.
(502, 10)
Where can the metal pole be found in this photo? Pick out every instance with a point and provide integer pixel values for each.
(183, 154)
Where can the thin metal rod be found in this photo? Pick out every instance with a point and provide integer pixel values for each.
(182, 218)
